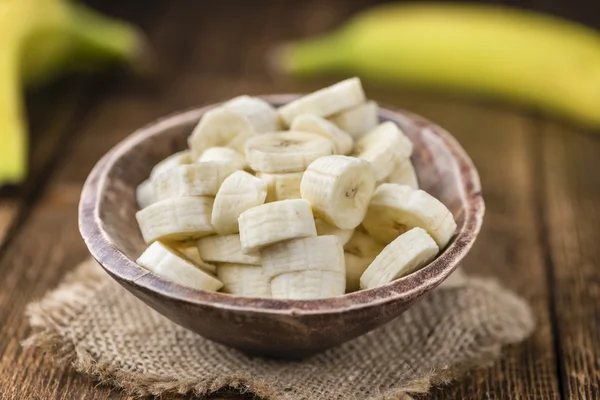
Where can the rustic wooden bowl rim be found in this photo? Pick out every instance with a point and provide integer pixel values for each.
(119, 266)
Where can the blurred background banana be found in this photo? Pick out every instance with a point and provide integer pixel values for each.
(40, 39)
(513, 55)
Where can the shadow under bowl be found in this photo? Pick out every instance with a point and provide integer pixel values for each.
(270, 327)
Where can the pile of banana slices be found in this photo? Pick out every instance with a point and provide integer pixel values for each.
(311, 200)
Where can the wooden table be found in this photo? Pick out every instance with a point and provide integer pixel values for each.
(541, 181)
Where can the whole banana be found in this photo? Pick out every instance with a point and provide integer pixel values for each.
(517, 56)
(39, 39)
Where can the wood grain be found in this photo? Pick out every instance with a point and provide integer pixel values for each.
(570, 207)
(539, 183)
(501, 143)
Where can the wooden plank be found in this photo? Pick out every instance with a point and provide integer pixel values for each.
(570, 206)
(500, 141)
(36, 261)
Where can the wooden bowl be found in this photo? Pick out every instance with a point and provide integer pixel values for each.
(270, 327)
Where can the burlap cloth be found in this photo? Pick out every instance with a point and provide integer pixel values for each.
(103, 331)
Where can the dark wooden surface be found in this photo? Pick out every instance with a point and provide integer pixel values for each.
(539, 176)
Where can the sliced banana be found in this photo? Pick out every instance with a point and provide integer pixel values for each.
(225, 249)
(282, 186)
(325, 102)
(355, 267)
(395, 209)
(199, 179)
(223, 154)
(239, 192)
(325, 229)
(315, 124)
(274, 222)
(144, 193)
(383, 147)
(189, 250)
(363, 245)
(321, 253)
(404, 174)
(307, 285)
(232, 123)
(288, 151)
(359, 120)
(160, 260)
(174, 160)
(176, 219)
(407, 253)
(339, 189)
(244, 280)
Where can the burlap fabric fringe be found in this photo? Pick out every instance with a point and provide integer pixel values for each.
(93, 324)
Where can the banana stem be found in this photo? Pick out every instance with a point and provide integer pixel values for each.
(98, 39)
(13, 132)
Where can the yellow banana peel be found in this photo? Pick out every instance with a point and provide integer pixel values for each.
(39, 39)
(514, 55)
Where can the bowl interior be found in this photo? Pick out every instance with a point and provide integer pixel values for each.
(442, 167)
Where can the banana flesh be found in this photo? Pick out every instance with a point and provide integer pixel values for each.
(162, 261)
(288, 217)
(284, 152)
(244, 280)
(239, 192)
(406, 253)
(226, 249)
(320, 253)
(198, 179)
(359, 120)
(325, 102)
(404, 174)
(233, 123)
(282, 186)
(311, 123)
(176, 218)
(339, 189)
(383, 147)
(395, 209)
(275, 222)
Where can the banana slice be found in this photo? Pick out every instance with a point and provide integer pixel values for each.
(144, 193)
(320, 253)
(355, 267)
(239, 192)
(174, 160)
(160, 260)
(325, 102)
(288, 151)
(363, 245)
(175, 219)
(404, 174)
(199, 179)
(325, 229)
(383, 147)
(274, 222)
(315, 124)
(189, 250)
(282, 186)
(244, 280)
(407, 253)
(232, 123)
(307, 285)
(225, 249)
(358, 120)
(223, 154)
(396, 209)
(339, 189)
